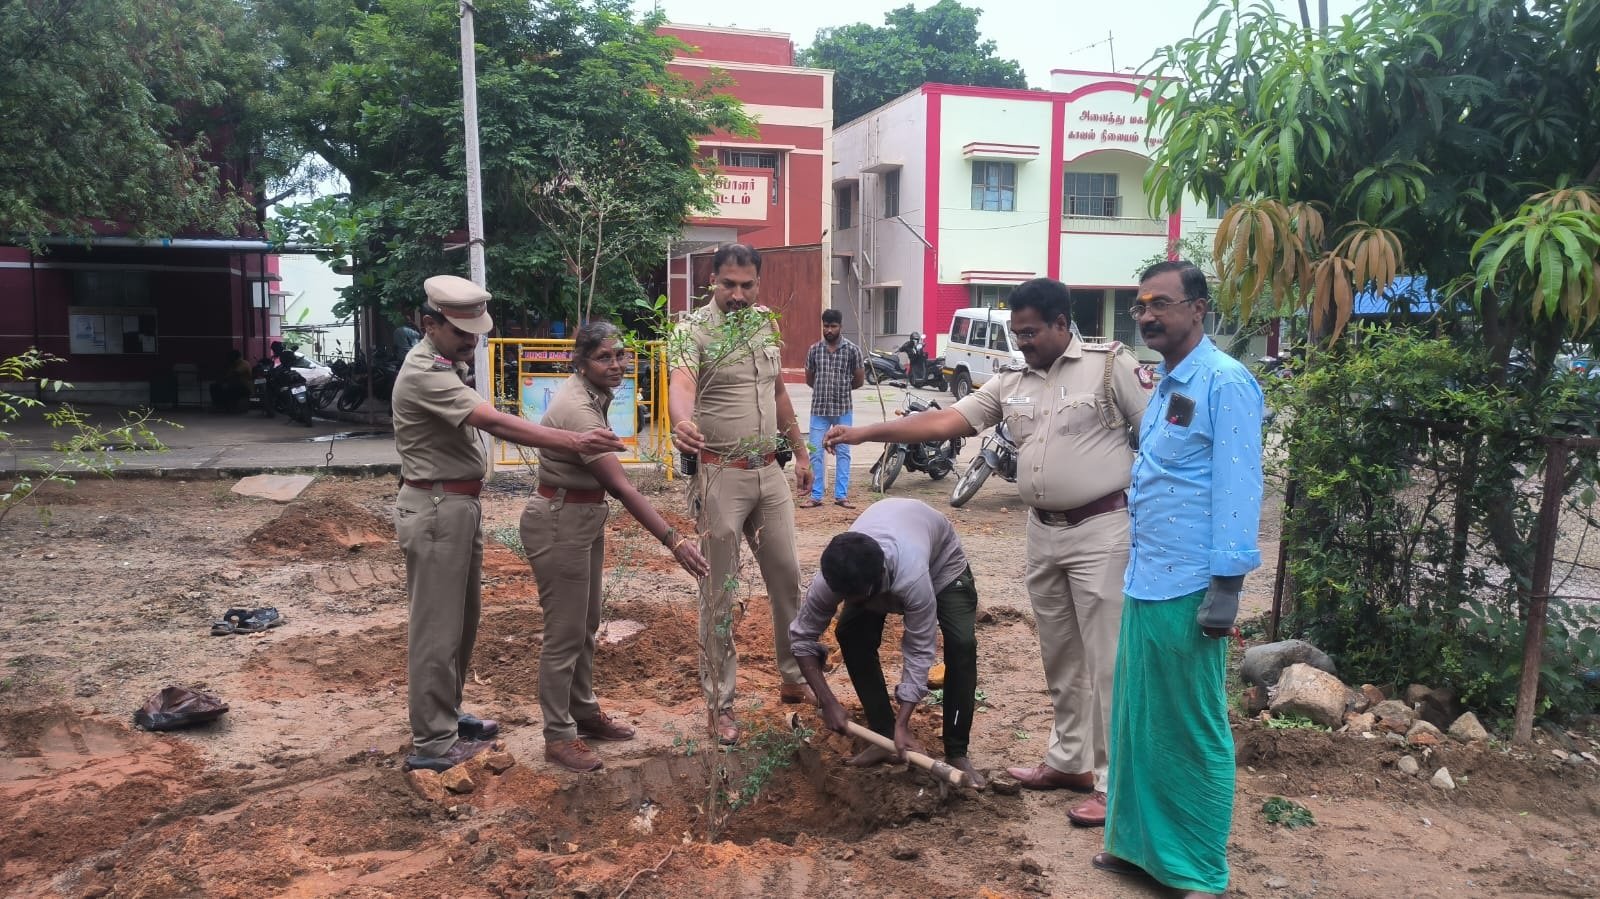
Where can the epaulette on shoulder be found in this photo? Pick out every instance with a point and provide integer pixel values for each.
(1014, 366)
(440, 363)
(1099, 346)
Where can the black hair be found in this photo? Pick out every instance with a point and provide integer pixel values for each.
(428, 310)
(1046, 296)
(1194, 280)
(852, 564)
(832, 317)
(736, 253)
(589, 338)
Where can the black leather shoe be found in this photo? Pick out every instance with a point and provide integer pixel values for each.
(471, 727)
(460, 752)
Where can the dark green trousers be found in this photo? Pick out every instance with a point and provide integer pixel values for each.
(860, 632)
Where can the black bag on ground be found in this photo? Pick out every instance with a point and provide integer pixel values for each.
(176, 707)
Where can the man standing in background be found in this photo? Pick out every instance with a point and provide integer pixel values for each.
(834, 367)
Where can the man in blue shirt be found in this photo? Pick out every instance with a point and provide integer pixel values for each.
(1194, 506)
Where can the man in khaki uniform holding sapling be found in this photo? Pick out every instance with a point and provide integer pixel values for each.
(437, 419)
(729, 405)
(1070, 409)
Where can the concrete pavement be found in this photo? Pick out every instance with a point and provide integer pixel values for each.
(203, 444)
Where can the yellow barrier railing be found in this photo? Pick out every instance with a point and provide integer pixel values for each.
(525, 373)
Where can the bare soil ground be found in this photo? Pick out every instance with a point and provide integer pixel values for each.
(297, 791)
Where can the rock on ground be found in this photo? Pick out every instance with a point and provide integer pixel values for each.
(1311, 692)
(1424, 734)
(1263, 664)
(1468, 729)
(427, 784)
(1394, 715)
(1359, 722)
(1442, 779)
(458, 780)
(1408, 766)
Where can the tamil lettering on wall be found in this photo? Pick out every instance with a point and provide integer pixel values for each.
(742, 197)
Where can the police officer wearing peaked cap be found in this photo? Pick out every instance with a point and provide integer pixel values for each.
(437, 517)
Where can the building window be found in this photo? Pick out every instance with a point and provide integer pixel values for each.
(1123, 327)
(891, 194)
(994, 186)
(993, 296)
(1086, 312)
(891, 310)
(753, 159)
(1091, 194)
(843, 207)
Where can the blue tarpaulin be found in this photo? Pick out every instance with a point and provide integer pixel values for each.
(1406, 292)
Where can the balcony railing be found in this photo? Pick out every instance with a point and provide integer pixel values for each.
(1100, 224)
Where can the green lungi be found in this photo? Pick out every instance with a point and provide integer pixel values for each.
(1170, 788)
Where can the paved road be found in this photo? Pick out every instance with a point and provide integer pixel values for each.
(201, 444)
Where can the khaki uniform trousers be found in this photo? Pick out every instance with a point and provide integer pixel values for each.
(754, 504)
(443, 544)
(1075, 586)
(566, 546)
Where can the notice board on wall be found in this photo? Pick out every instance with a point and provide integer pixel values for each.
(119, 330)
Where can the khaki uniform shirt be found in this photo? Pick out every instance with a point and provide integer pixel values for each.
(576, 406)
(430, 406)
(1069, 454)
(736, 403)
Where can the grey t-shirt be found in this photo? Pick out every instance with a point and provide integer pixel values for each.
(922, 555)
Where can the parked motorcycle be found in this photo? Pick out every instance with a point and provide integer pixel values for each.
(919, 371)
(998, 454)
(936, 457)
(282, 389)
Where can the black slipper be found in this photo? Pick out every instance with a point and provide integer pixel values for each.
(259, 620)
(1105, 861)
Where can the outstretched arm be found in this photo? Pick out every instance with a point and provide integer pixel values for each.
(608, 471)
(519, 430)
(939, 424)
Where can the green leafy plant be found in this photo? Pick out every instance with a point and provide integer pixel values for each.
(509, 536)
(771, 750)
(1293, 722)
(1287, 813)
(87, 448)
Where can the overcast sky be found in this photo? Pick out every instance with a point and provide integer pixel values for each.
(1040, 34)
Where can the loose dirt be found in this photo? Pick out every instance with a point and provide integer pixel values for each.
(298, 791)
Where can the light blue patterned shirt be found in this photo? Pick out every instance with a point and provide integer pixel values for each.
(1195, 503)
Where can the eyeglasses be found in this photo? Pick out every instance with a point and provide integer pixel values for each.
(1158, 305)
(1026, 335)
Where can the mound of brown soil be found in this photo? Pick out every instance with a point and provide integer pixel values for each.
(325, 528)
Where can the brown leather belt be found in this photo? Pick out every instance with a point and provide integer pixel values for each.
(568, 495)
(465, 488)
(1071, 517)
(749, 461)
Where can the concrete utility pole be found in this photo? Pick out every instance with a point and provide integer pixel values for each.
(469, 115)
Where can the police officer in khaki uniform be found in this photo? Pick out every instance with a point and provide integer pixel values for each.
(563, 529)
(729, 405)
(1072, 410)
(437, 420)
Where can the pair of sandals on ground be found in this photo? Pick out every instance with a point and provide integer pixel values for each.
(817, 504)
(246, 621)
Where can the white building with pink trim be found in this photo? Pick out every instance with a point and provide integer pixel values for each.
(949, 196)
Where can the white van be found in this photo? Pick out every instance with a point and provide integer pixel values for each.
(980, 342)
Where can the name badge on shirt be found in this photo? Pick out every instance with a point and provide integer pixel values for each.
(1019, 401)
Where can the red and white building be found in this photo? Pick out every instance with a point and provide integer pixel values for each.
(949, 196)
(773, 187)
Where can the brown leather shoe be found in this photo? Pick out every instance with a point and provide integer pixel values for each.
(605, 727)
(1089, 813)
(1105, 861)
(1044, 777)
(458, 753)
(574, 755)
(797, 693)
(727, 729)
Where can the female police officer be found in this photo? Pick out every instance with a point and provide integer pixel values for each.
(563, 528)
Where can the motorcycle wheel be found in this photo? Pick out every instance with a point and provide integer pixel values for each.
(351, 397)
(944, 463)
(873, 376)
(322, 398)
(967, 485)
(887, 469)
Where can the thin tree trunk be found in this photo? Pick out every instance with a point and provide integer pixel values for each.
(1305, 15)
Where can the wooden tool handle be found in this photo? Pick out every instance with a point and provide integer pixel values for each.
(942, 770)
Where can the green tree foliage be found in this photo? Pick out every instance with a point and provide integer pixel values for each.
(374, 88)
(940, 44)
(1458, 139)
(126, 111)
